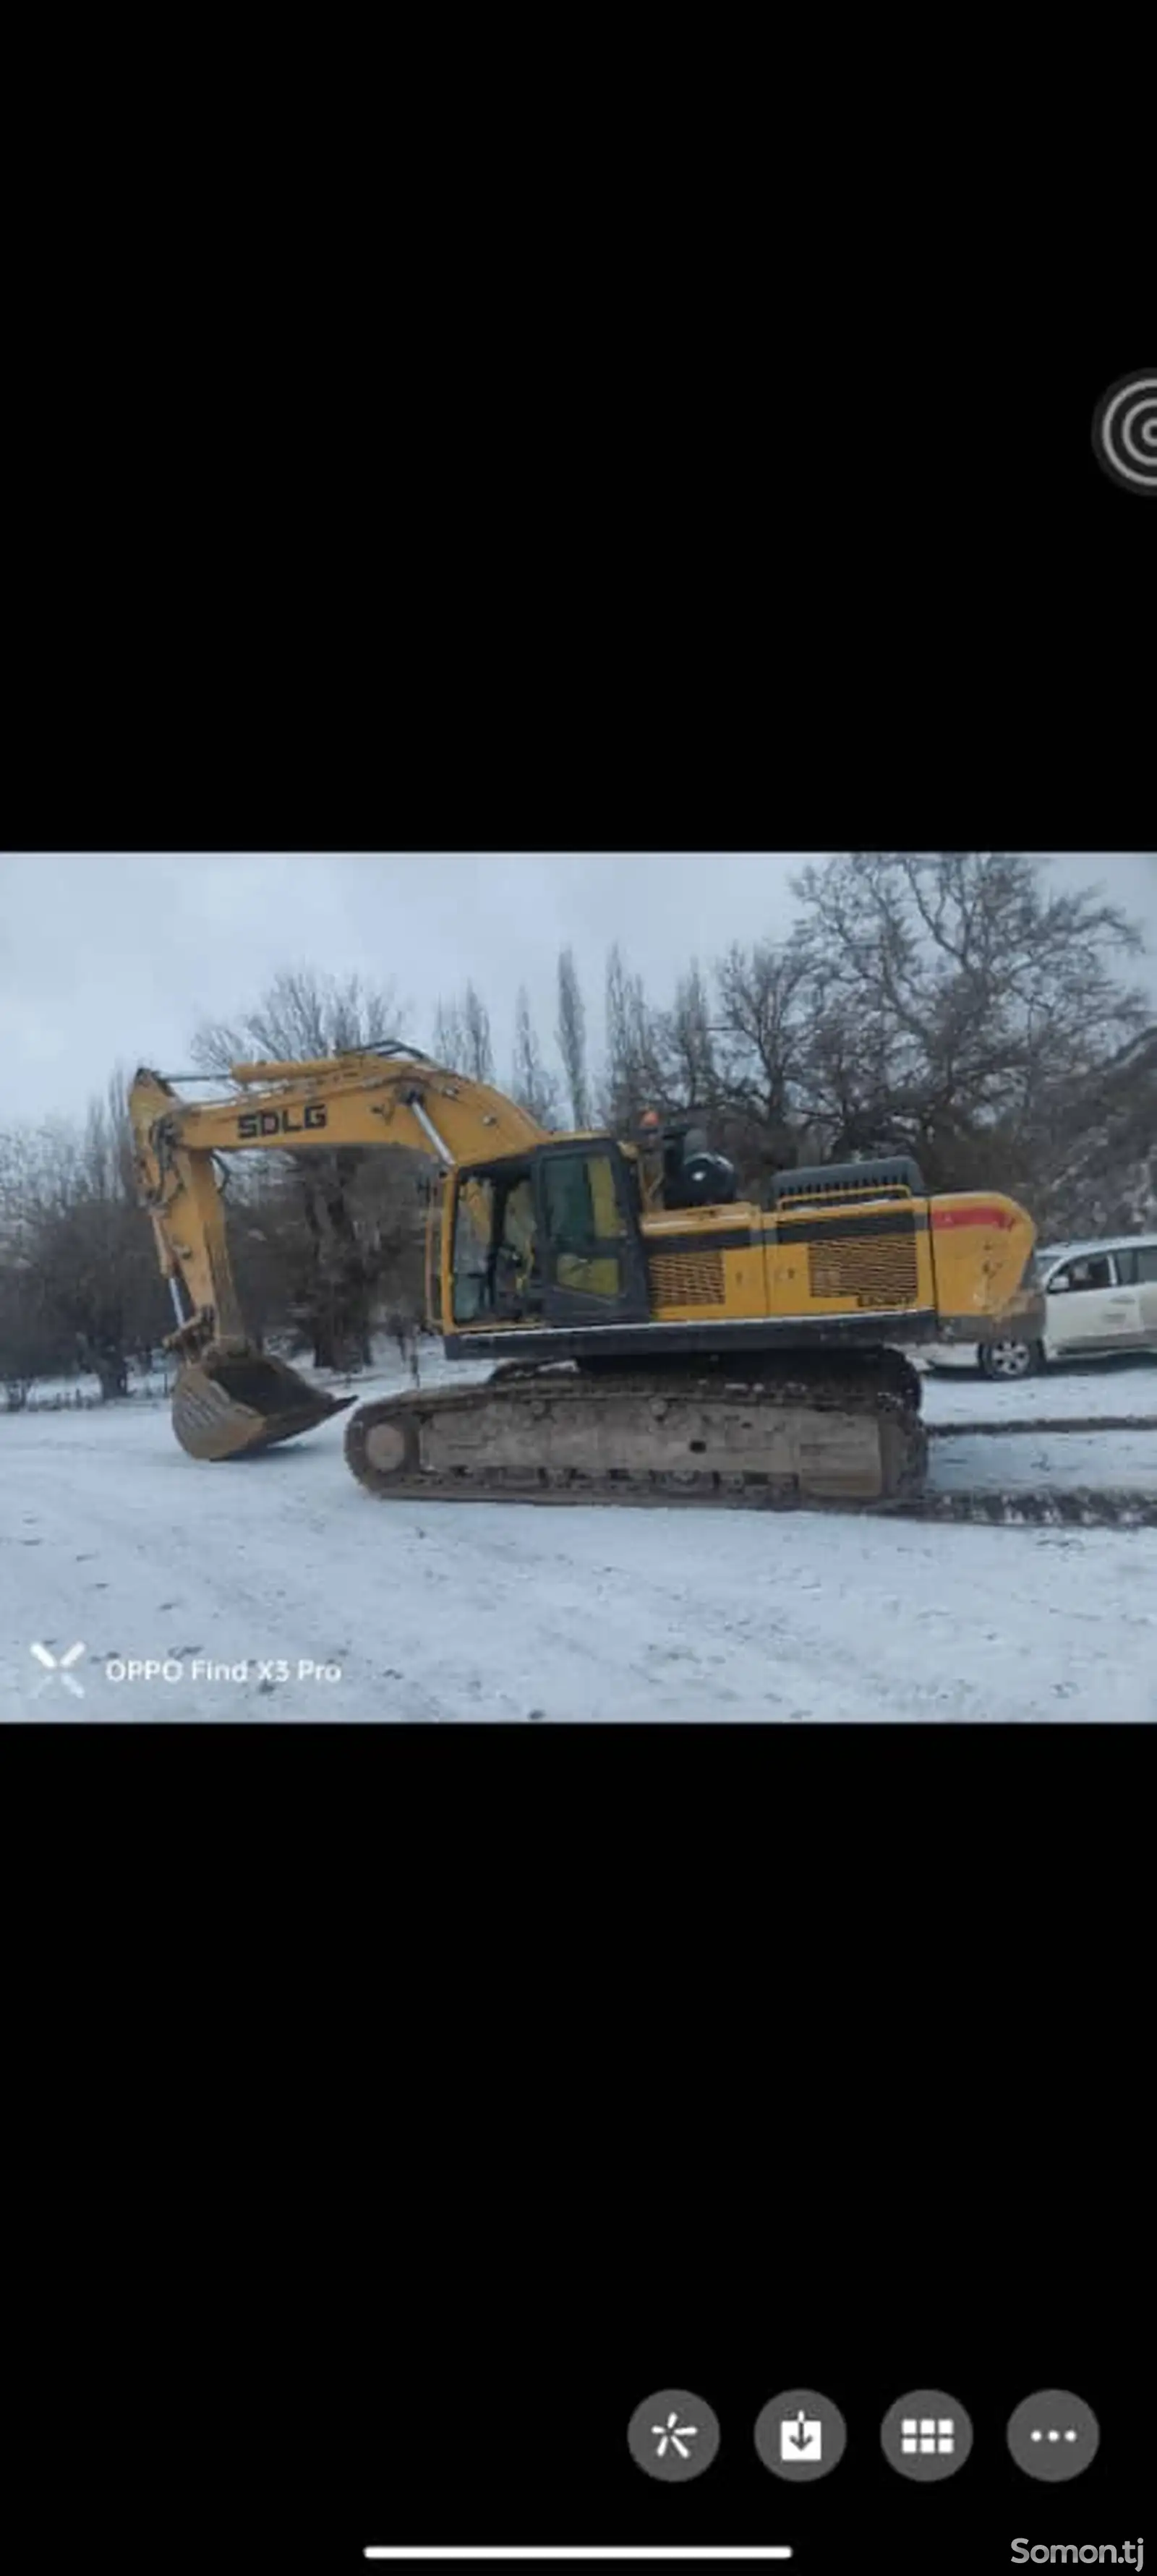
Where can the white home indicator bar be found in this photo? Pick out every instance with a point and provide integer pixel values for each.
(583, 2557)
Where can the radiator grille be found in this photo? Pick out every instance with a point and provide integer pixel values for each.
(687, 1278)
(877, 1270)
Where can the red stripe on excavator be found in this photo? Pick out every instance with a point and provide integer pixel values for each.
(971, 1216)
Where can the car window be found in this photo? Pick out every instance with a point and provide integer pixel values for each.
(1095, 1270)
(1138, 1266)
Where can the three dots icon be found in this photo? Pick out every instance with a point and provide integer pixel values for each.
(1053, 2435)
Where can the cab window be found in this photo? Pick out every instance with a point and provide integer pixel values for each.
(434, 1265)
(496, 1270)
(473, 1224)
(581, 1204)
(585, 1224)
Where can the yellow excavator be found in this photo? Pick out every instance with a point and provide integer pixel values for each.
(653, 1337)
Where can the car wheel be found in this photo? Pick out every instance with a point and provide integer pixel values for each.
(1009, 1359)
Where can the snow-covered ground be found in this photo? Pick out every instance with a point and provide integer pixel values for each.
(1111, 1391)
(955, 1391)
(114, 1541)
(56, 1394)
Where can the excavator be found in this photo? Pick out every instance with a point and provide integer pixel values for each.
(653, 1337)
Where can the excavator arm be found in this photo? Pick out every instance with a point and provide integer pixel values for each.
(230, 1396)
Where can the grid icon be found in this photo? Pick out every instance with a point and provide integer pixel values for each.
(928, 2434)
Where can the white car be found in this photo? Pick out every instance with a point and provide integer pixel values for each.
(1099, 1298)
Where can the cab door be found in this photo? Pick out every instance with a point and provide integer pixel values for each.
(590, 1251)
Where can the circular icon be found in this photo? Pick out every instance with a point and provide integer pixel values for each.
(673, 2436)
(926, 2435)
(1125, 432)
(1053, 2435)
(800, 2435)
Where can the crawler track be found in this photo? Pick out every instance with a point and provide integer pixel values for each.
(760, 1442)
(824, 1437)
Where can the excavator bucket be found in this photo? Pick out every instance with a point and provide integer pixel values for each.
(225, 1408)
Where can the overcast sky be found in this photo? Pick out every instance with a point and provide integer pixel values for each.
(106, 960)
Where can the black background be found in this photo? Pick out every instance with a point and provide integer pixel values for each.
(388, 2113)
(410, 2105)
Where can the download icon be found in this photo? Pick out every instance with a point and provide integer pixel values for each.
(801, 2437)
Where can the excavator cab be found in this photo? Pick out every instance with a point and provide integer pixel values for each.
(549, 1238)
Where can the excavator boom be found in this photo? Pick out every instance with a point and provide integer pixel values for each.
(231, 1398)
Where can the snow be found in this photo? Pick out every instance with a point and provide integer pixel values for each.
(1108, 1458)
(112, 1538)
(1113, 1389)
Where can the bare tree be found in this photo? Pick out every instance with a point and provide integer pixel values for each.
(330, 1277)
(572, 1037)
(952, 996)
(1100, 1173)
(300, 1015)
(462, 1040)
(633, 1078)
(81, 1285)
(762, 1011)
(31, 1341)
(479, 1058)
(533, 1086)
(687, 1046)
(449, 1036)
